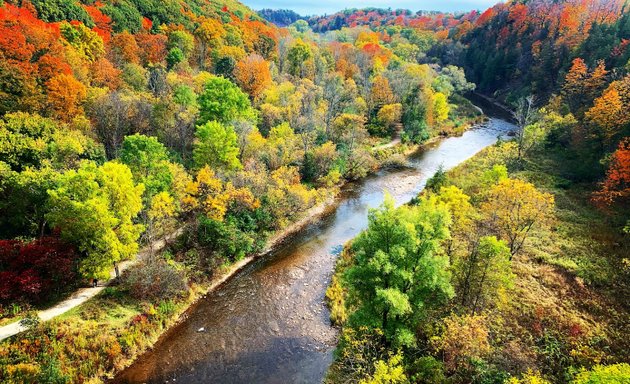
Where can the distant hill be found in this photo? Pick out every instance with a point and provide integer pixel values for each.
(378, 17)
(280, 17)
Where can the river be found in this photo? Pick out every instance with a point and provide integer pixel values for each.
(269, 323)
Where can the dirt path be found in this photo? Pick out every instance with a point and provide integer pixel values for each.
(83, 294)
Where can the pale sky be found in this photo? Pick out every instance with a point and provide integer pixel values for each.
(319, 7)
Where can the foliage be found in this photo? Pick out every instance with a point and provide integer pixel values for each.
(515, 207)
(222, 101)
(397, 267)
(216, 145)
(36, 271)
(153, 280)
(613, 374)
(484, 275)
(93, 208)
(390, 371)
(465, 339)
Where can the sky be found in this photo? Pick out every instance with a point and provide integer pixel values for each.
(319, 7)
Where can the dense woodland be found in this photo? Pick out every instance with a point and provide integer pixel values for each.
(125, 122)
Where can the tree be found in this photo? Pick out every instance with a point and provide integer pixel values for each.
(161, 217)
(616, 186)
(222, 101)
(465, 339)
(514, 207)
(573, 88)
(94, 209)
(216, 145)
(125, 49)
(440, 107)
(609, 114)
(88, 43)
(391, 371)
(524, 116)
(398, 271)
(253, 75)
(148, 161)
(65, 96)
(484, 275)
(282, 147)
(29, 140)
(181, 40)
(36, 270)
(600, 374)
(297, 55)
(381, 93)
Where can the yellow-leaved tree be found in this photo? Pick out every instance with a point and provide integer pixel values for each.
(514, 207)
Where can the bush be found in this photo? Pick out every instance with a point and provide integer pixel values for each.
(35, 271)
(154, 280)
(427, 370)
(225, 238)
(608, 374)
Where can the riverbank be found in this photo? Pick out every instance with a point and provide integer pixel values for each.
(562, 313)
(114, 328)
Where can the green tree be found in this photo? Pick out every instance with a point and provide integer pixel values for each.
(216, 145)
(399, 271)
(391, 371)
(223, 101)
(29, 140)
(483, 276)
(147, 159)
(94, 208)
(297, 55)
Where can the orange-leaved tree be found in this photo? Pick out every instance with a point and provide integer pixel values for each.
(252, 74)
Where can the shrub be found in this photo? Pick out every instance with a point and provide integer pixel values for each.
(154, 280)
(225, 238)
(35, 271)
(608, 374)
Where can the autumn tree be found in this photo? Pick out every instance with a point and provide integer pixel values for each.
(65, 97)
(609, 112)
(297, 55)
(125, 49)
(573, 88)
(514, 207)
(94, 208)
(88, 43)
(616, 186)
(440, 107)
(147, 159)
(252, 75)
(29, 140)
(484, 274)
(465, 339)
(397, 267)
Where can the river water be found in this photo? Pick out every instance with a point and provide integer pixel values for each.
(269, 323)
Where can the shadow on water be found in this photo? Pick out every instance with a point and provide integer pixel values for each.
(269, 323)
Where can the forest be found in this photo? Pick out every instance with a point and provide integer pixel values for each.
(204, 126)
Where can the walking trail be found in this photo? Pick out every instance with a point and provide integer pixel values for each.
(82, 295)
